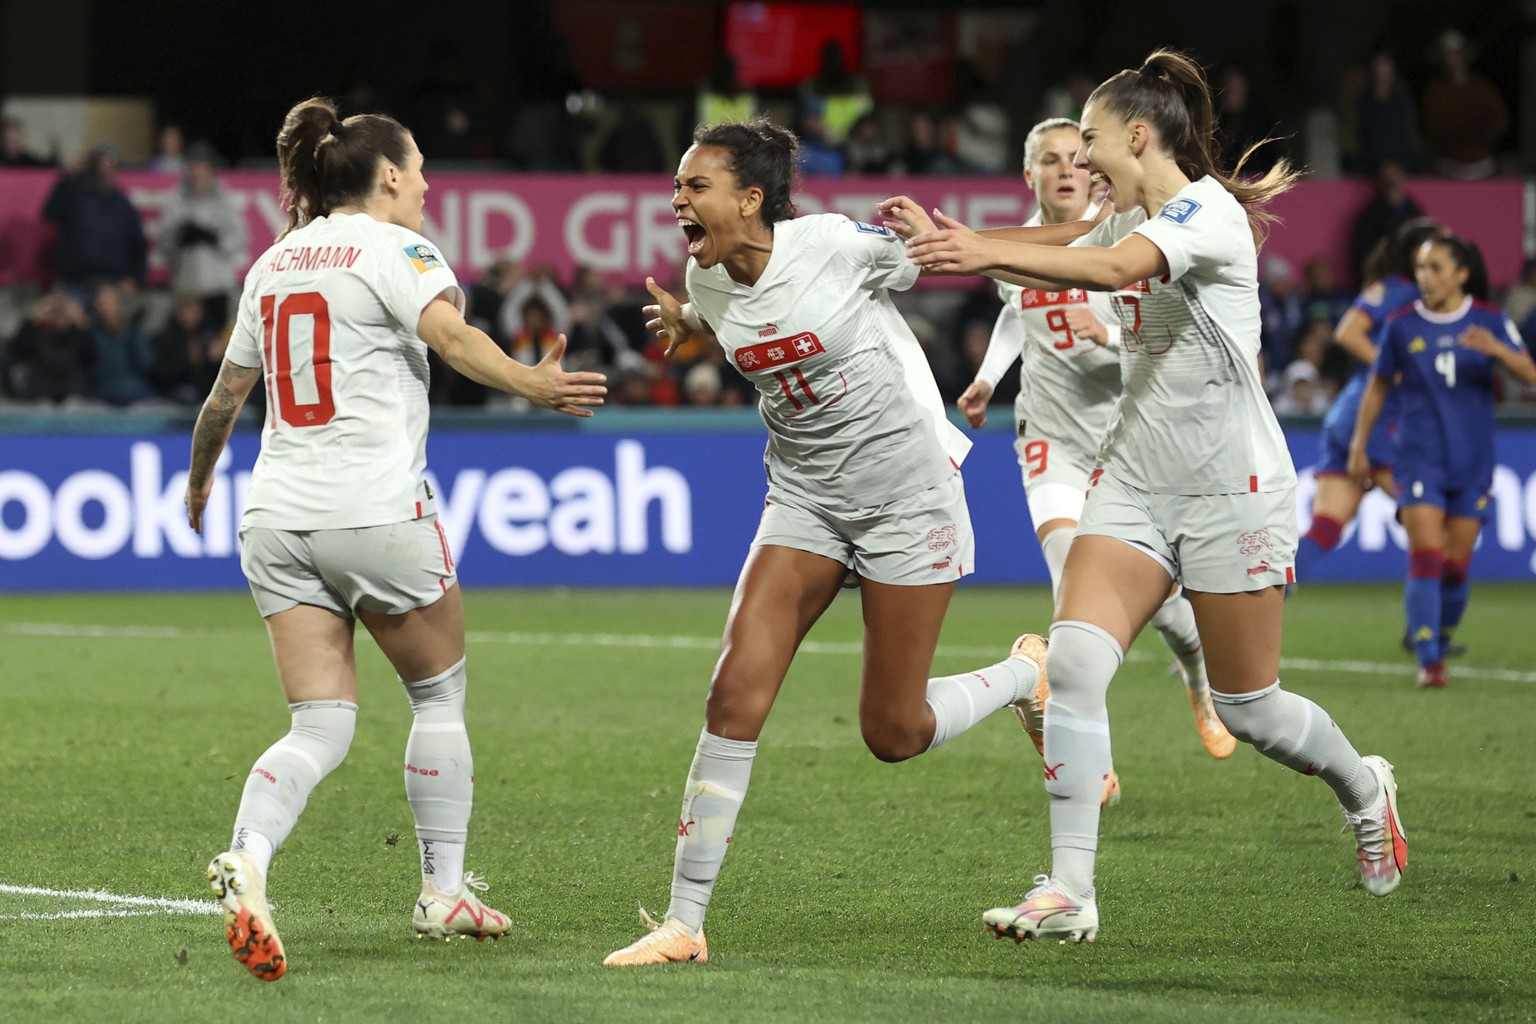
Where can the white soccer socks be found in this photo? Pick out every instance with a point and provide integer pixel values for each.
(440, 776)
(959, 702)
(717, 785)
(1288, 728)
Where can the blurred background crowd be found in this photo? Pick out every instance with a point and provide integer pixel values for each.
(591, 86)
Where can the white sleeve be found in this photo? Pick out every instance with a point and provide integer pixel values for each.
(1189, 235)
(877, 250)
(244, 347)
(412, 276)
(1005, 345)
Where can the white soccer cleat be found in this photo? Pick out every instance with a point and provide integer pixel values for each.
(1049, 911)
(1030, 708)
(247, 919)
(1380, 843)
(670, 942)
(441, 915)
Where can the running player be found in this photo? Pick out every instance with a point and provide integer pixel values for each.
(1193, 481)
(1069, 382)
(1441, 353)
(863, 474)
(339, 524)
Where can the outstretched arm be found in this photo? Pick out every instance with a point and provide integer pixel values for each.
(956, 249)
(1371, 404)
(472, 352)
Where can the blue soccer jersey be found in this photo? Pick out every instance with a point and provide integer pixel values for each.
(1378, 302)
(1445, 427)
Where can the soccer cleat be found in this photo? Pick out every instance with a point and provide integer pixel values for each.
(1218, 742)
(1049, 911)
(1431, 677)
(247, 918)
(1030, 708)
(1381, 846)
(670, 942)
(441, 915)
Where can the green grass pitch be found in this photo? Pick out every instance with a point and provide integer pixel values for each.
(854, 889)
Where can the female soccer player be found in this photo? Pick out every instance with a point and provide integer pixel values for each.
(1193, 481)
(863, 474)
(1391, 287)
(1069, 382)
(1441, 351)
(339, 525)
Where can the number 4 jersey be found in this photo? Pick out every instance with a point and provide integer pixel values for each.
(854, 418)
(329, 313)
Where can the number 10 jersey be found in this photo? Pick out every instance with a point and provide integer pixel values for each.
(329, 313)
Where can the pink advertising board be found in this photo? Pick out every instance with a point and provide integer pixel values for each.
(622, 224)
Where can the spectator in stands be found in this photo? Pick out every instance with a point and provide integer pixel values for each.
(1323, 298)
(1520, 301)
(521, 285)
(1066, 98)
(203, 237)
(1301, 392)
(608, 327)
(844, 96)
(631, 145)
(1386, 125)
(1390, 207)
(1282, 315)
(701, 385)
(443, 109)
(49, 357)
(1465, 116)
(169, 146)
(1244, 120)
(819, 154)
(13, 145)
(188, 352)
(922, 149)
(721, 98)
(536, 333)
(100, 234)
(867, 151)
(125, 356)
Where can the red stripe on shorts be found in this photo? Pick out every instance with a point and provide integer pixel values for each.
(443, 538)
(1253, 485)
(1290, 574)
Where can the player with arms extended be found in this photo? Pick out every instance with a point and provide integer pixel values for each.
(863, 474)
(1442, 352)
(339, 524)
(1069, 381)
(1193, 481)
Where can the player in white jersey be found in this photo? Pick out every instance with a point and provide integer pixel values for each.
(1067, 342)
(863, 474)
(1193, 481)
(339, 526)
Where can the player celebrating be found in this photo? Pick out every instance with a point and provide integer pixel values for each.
(1193, 480)
(863, 474)
(339, 525)
(1442, 351)
(1069, 382)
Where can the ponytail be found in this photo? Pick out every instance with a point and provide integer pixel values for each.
(325, 162)
(1169, 92)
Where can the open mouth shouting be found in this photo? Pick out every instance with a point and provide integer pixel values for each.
(695, 234)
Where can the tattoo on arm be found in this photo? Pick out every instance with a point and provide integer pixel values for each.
(217, 418)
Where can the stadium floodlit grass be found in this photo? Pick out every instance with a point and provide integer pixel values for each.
(854, 889)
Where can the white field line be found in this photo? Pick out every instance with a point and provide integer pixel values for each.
(121, 906)
(702, 643)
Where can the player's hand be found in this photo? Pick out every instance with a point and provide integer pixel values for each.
(973, 403)
(904, 217)
(570, 393)
(197, 500)
(1360, 467)
(1479, 339)
(665, 317)
(1084, 324)
(952, 248)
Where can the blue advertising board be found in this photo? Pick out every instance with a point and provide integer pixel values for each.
(596, 507)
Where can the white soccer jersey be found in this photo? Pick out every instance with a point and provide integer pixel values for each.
(329, 313)
(1068, 386)
(819, 337)
(1193, 417)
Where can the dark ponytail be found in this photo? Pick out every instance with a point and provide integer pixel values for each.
(325, 162)
(1467, 256)
(763, 155)
(1169, 92)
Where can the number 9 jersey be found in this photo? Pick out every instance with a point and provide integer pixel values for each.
(329, 313)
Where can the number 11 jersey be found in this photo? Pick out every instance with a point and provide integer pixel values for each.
(329, 313)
